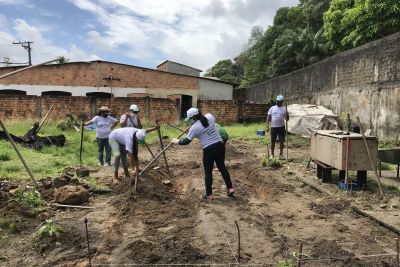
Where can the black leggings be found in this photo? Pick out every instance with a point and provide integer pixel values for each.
(215, 153)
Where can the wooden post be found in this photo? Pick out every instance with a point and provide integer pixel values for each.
(397, 252)
(80, 150)
(346, 178)
(370, 158)
(298, 264)
(162, 147)
(19, 155)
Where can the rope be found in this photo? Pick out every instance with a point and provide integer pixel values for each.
(108, 231)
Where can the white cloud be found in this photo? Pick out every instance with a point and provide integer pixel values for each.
(195, 33)
(42, 49)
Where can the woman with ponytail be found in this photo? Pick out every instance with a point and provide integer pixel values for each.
(204, 128)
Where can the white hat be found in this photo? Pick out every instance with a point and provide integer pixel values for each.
(190, 113)
(141, 134)
(279, 98)
(134, 107)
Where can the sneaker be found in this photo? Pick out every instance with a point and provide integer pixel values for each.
(231, 191)
(281, 157)
(99, 164)
(209, 197)
(107, 165)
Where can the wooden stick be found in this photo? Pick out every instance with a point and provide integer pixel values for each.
(300, 255)
(19, 155)
(173, 126)
(238, 248)
(287, 136)
(370, 158)
(397, 252)
(346, 178)
(80, 150)
(151, 152)
(162, 147)
(72, 206)
(155, 158)
(44, 119)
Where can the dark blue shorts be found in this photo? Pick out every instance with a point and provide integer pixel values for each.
(278, 131)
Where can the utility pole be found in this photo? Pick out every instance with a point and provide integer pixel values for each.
(27, 46)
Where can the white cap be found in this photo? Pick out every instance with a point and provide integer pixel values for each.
(134, 107)
(279, 98)
(141, 134)
(190, 113)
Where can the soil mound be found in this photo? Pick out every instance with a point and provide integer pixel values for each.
(71, 195)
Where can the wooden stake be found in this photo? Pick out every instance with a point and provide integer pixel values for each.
(397, 252)
(80, 150)
(19, 155)
(370, 158)
(162, 147)
(346, 178)
(151, 152)
(44, 119)
(300, 255)
(238, 248)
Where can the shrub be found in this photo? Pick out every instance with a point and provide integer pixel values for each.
(49, 229)
(4, 157)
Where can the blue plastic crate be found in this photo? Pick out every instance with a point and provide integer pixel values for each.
(260, 132)
(351, 186)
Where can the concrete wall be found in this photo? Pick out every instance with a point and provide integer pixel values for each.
(174, 67)
(210, 90)
(363, 82)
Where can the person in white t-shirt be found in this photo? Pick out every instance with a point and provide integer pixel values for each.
(205, 130)
(104, 124)
(277, 115)
(123, 142)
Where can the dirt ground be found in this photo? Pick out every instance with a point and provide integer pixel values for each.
(170, 224)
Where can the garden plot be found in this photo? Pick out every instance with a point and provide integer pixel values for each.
(170, 224)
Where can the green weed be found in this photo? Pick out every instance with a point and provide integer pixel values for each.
(4, 157)
(31, 198)
(50, 229)
(285, 263)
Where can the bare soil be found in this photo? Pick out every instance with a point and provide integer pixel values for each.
(170, 223)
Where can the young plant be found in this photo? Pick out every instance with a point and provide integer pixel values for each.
(31, 198)
(49, 229)
(285, 263)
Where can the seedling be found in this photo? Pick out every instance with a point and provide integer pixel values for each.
(49, 229)
(285, 263)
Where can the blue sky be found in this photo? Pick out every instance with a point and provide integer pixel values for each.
(197, 33)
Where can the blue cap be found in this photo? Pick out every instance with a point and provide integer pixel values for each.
(279, 98)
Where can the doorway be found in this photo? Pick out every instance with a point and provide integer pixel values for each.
(186, 104)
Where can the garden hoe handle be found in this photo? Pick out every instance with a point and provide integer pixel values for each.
(287, 137)
(19, 155)
(370, 157)
(162, 147)
(155, 158)
(81, 147)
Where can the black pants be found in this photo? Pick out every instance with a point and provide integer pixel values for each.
(215, 153)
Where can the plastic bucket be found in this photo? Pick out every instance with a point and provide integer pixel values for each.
(260, 132)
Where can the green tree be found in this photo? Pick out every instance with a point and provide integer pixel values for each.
(224, 70)
(351, 23)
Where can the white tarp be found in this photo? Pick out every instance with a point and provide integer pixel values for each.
(305, 119)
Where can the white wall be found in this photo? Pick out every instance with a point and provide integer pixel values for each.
(74, 90)
(212, 90)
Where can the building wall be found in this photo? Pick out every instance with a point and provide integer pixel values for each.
(210, 90)
(93, 75)
(15, 107)
(363, 82)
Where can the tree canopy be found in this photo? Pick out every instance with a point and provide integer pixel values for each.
(307, 33)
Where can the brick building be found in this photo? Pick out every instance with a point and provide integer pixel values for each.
(106, 79)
